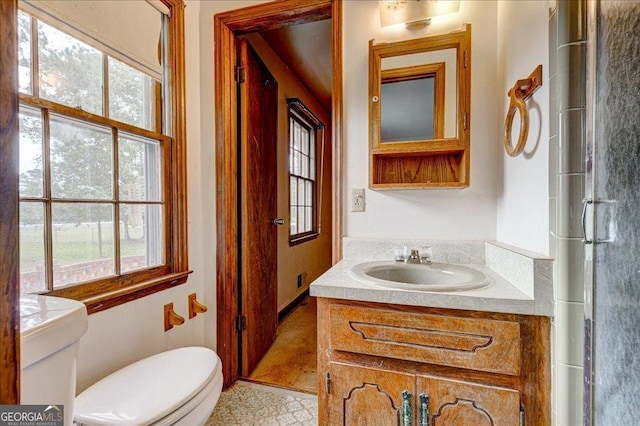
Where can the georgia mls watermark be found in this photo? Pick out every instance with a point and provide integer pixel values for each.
(31, 415)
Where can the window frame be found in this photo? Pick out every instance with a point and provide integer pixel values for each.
(298, 111)
(107, 292)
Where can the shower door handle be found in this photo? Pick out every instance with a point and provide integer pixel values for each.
(585, 202)
(278, 221)
(610, 227)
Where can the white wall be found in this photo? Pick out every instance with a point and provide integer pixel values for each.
(134, 330)
(523, 191)
(468, 213)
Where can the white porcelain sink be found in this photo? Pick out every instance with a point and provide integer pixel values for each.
(438, 277)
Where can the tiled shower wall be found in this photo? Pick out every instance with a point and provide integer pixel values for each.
(567, 99)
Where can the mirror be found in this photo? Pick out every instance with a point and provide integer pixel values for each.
(402, 96)
(422, 85)
(419, 101)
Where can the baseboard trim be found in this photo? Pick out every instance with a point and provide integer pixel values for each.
(291, 306)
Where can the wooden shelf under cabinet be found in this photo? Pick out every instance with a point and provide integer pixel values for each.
(477, 368)
(419, 169)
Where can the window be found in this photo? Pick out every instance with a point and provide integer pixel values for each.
(303, 172)
(101, 170)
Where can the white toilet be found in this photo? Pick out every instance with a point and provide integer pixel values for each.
(50, 330)
(177, 387)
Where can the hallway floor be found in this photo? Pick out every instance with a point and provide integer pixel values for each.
(291, 361)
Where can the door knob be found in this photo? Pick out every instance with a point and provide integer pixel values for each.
(278, 221)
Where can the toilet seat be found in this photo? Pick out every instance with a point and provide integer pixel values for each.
(160, 389)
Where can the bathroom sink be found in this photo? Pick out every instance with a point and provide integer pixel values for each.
(437, 277)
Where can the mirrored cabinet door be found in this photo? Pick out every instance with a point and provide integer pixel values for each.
(419, 103)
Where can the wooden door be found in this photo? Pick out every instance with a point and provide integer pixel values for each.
(459, 403)
(258, 104)
(367, 396)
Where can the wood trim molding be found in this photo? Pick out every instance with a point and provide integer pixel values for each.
(227, 26)
(337, 123)
(179, 125)
(9, 146)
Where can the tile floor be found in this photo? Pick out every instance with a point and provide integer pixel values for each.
(247, 404)
(291, 361)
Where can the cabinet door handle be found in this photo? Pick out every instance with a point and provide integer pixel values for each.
(406, 409)
(424, 410)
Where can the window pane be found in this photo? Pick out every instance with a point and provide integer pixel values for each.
(312, 158)
(304, 142)
(32, 264)
(82, 242)
(31, 178)
(139, 168)
(131, 96)
(304, 172)
(293, 221)
(81, 160)
(300, 192)
(301, 226)
(312, 146)
(307, 219)
(293, 188)
(24, 52)
(296, 136)
(309, 193)
(70, 71)
(292, 125)
(141, 237)
(312, 169)
(291, 157)
(296, 163)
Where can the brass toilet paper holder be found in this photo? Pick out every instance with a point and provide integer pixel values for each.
(195, 307)
(171, 318)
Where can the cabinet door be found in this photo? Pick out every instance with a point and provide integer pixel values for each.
(368, 396)
(459, 403)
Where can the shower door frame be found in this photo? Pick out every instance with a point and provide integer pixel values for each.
(588, 222)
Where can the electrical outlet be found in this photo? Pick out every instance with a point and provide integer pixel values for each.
(357, 199)
(300, 279)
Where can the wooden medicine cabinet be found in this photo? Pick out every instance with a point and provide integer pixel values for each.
(419, 104)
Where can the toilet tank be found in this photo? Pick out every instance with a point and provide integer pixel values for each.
(50, 332)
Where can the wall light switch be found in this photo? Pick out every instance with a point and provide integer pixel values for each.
(357, 199)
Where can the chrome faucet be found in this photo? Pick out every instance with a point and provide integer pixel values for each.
(414, 257)
(422, 256)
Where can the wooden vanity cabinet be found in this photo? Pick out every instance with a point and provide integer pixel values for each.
(384, 364)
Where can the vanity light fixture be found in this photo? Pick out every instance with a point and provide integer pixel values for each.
(414, 13)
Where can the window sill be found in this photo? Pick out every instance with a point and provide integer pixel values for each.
(119, 296)
(299, 239)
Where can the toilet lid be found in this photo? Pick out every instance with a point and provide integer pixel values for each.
(149, 389)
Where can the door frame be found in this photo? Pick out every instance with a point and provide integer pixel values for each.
(227, 26)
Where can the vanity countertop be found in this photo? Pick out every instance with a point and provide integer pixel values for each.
(500, 296)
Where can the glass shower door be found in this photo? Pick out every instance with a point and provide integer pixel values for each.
(611, 215)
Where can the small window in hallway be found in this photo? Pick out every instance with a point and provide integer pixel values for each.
(303, 170)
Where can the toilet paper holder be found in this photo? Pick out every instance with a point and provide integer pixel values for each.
(195, 307)
(171, 318)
